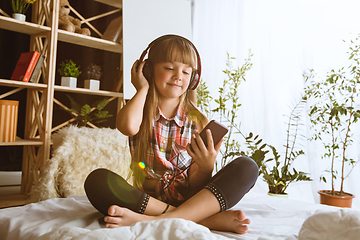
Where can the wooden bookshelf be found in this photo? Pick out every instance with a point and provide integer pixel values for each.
(44, 37)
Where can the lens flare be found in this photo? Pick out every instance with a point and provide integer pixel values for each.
(141, 165)
(120, 189)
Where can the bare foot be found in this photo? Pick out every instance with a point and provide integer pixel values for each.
(120, 216)
(230, 221)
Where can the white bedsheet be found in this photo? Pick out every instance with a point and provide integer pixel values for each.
(271, 218)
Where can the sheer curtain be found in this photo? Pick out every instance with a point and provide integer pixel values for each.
(286, 38)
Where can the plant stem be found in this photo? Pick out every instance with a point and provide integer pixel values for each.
(332, 156)
(345, 142)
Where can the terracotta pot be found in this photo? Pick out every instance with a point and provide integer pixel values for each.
(336, 200)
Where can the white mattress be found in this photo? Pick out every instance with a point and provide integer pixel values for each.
(271, 218)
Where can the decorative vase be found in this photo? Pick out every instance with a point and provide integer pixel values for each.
(283, 195)
(19, 16)
(335, 200)
(8, 120)
(92, 84)
(68, 82)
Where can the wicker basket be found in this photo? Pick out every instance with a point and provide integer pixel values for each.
(8, 120)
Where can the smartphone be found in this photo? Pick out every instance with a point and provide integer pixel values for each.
(218, 131)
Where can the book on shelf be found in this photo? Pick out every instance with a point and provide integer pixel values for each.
(25, 66)
(114, 31)
(35, 75)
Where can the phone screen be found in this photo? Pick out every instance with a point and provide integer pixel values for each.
(218, 131)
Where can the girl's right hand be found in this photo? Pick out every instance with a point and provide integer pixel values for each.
(203, 156)
(137, 77)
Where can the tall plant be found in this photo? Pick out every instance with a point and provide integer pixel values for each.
(333, 112)
(276, 173)
(228, 105)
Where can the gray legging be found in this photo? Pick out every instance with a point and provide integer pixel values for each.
(105, 188)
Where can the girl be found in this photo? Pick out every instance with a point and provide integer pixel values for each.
(171, 180)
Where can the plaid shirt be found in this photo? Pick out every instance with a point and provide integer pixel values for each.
(167, 158)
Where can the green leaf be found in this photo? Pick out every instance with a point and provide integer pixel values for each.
(86, 109)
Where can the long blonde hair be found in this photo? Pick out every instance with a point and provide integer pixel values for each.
(168, 50)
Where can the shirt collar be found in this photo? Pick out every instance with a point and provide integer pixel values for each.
(178, 118)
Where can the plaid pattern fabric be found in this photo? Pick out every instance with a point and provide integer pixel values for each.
(167, 157)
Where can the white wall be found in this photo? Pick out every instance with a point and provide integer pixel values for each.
(144, 21)
(286, 38)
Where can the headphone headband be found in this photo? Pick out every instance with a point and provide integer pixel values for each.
(195, 76)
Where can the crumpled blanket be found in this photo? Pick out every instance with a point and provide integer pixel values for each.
(75, 218)
(179, 229)
(271, 219)
(342, 224)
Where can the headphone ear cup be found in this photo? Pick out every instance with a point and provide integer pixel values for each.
(194, 80)
(146, 70)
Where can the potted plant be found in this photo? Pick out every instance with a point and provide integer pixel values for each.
(276, 173)
(94, 74)
(69, 73)
(88, 115)
(333, 112)
(19, 8)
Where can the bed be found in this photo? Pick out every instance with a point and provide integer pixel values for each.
(60, 209)
(271, 218)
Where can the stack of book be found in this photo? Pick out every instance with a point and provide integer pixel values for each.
(28, 67)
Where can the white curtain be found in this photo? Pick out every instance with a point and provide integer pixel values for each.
(286, 38)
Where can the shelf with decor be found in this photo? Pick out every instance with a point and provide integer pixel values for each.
(91, 42)
(22, 142)
(88, 91)
(11, 24)
(114, 3)
(29, 28)
(44, 37)
(21, 84)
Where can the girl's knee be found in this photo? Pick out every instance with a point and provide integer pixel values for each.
(247, 163)
(96, 181)
(236, 179)
(96, 175)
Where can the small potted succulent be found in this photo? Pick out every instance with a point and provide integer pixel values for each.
(19, 8)
(94, 74)
(69, 73)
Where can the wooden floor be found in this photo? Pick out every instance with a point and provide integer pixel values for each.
(10, 195)
(13, 200)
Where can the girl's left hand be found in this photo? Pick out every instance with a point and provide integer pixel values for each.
(137, 77)
(204, 156)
